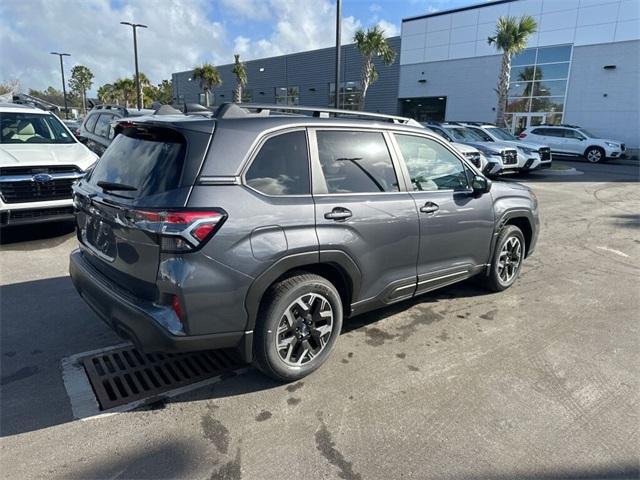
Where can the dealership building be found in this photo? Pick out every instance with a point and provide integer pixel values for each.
(581, 67)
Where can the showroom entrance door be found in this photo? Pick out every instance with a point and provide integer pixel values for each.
(521, 121)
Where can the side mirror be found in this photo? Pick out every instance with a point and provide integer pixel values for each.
(480, 185)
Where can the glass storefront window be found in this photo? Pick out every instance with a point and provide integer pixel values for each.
(552, 71)
(349, 98)
(561, 53)
(538, 84)
(549, 88)
(527, 57)
(287, 95)
(519, 104)
(547, 104)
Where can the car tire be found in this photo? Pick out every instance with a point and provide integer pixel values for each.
(504, 269)
(595, 155)
(284, 329)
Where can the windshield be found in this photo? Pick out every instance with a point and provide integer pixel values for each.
(18, 127)
(460, 134)
(502, 134)
(586, 133)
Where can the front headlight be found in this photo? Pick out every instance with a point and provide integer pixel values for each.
(487, 151)
(612, 145)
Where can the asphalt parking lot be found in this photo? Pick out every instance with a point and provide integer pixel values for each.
(540, 381)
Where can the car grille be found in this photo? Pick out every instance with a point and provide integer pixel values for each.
(509, 157)
(19, 216)
(37, 184)
(473, 157)
(545, 154)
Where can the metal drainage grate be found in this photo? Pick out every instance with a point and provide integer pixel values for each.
(125, 375)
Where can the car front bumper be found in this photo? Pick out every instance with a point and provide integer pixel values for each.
(35, 212)
(134, 320)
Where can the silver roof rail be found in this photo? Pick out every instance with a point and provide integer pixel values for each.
(233, 110)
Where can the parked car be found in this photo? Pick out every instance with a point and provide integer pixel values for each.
(263, 231)
(533, 155)
(96, 132)
(39, 160)
(505, 155)
(74, 126)
(575, 141)
(473, 155)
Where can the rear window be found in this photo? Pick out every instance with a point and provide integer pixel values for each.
(32, 128)
(148, 159)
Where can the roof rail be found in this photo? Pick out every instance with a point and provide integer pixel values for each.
(107, 106)
(233, 110)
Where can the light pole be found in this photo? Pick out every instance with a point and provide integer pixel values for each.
(135, 54)
(64, 88)
(338, 28)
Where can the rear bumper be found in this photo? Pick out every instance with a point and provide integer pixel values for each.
(130, 319)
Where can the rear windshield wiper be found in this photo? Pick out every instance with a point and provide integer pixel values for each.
(116, 186)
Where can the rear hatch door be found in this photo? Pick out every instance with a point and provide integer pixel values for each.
(147, 169)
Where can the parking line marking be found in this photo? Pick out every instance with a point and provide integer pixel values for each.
(84, 405)
(617, 252)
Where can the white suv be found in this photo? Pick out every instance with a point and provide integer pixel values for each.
(573, 140)
(39, 160)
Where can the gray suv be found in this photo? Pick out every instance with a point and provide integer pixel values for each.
(263, 227)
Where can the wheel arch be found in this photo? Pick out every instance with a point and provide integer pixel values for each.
(334, 265)
(604, 152)
(521, 218)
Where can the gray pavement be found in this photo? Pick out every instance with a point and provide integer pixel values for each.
(540, 381)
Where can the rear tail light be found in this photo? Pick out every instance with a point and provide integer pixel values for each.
(522, 135)
(180, 230)
(177, 307)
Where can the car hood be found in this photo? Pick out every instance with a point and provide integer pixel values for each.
(13, 155)
(463, 148)
(496, 147)
(531, 145)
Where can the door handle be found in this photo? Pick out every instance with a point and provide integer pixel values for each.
(429, 207)
(338, 213)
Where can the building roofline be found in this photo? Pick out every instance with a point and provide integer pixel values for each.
(460, 9)
(264, 59)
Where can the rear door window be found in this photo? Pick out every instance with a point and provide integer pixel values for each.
(356, 162)
(281, 167)
(90, 125)
(102, 126)
(148, 159)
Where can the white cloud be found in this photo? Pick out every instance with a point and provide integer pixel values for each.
(181, 34)
(390, 29)
(249, 9)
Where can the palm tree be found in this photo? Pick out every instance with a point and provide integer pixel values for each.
(125, 88)
(371, 44)
(510, 37)
(144, 84)
(240, 71)
(106, 93)
(209, 79)
(81, 81)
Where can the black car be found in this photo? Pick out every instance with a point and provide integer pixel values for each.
(96, 131)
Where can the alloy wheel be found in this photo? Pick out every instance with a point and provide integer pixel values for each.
(594, 155)
(304, 329)
(509, 259)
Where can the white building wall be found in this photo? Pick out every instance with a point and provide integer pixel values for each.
(606, 102)
(464, 34)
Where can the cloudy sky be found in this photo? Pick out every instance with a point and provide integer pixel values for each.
(181, 33)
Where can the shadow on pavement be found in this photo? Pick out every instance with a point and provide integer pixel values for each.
(39, 231)
(171, 459)
(44, 321)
